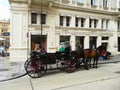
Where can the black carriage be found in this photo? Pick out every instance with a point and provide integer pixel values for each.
(37, 64)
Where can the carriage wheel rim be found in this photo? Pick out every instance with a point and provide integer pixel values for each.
(32, 69)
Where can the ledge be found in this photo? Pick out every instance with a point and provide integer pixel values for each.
(59, 5)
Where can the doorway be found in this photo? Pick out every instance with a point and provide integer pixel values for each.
(79, 42)
(36, 40)
(92, 42)
(119, 44)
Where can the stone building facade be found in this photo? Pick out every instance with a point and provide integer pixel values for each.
(88, 23)
(5, 33)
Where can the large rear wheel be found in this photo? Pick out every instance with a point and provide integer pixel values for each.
(26, 62)
(35, 68)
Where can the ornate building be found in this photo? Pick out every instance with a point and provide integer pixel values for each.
(88, 23)
(5, 33)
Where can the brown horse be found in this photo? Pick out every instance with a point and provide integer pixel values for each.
(92, 54)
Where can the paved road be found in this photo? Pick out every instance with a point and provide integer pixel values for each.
(105, 77)
(15, 69)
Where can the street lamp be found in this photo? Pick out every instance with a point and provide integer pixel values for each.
(41, 25)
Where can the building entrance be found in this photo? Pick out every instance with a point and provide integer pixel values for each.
(92, 42)
(119, 44)
(79, 42)
(64, 41)
(36, 40)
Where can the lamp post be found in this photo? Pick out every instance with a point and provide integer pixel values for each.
(41, 25)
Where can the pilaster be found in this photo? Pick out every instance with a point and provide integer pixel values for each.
(19, 29)
(99, 41)
(86, 42)
(72, 42)
(51, 45)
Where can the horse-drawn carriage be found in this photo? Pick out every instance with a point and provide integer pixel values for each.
(67, 60)
(38, 63)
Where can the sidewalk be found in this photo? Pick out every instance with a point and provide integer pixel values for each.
(105, 77)
(14, 69)
(10, 69)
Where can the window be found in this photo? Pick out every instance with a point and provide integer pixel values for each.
(76, 22)
(105, 3)
(67, 21)
(33, 18)
(105, 38)
(79, 22)
(43, 19)
(80, 1)
(95, 23)
(107, 23)
(64, 20)
(66, 1)
(90, 23)
(61, 20)
(104, 24)
(82, 22)
(93, 2)
(118, 25)
(119, 3)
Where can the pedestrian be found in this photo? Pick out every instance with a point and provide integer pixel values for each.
(104, 54)
(3, 54)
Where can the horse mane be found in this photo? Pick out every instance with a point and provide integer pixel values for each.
(100, 48)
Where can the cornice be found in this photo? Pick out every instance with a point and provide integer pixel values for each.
(76, 28)
(38, 27)
(64, 6)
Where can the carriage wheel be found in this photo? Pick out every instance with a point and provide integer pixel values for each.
(71, 66)
(26, 62)
(61, 65)
(35, 68)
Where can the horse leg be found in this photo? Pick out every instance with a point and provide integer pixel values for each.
(84, 63)
(93, 62)
(90, 62)
(96, 62)
(87, 66)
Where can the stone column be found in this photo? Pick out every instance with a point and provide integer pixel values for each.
(19, 30)
(98, 41)
(86, 42)
(112, 43)
(72, 22)
(87, 23)
(57, 40)
(99, 23)
(51, 45)
(72, 42)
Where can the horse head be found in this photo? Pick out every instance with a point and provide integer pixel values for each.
(100, 48)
